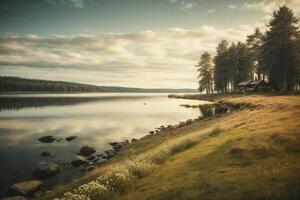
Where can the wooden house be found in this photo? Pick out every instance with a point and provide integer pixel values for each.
(252, 86)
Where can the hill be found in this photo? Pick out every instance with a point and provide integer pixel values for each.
(251, 153)
(17, 84)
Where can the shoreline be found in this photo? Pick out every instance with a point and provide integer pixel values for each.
(209, 128)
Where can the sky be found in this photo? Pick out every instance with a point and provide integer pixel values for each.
(133, 43)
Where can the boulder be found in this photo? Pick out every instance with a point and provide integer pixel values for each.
(170, 127)
(58, 139)
(70, 138)
(45, 154)
(189, 121)
(151, 132)
(45, 170)
(181, 124)
(101, 161)
(109, 154)
(47, 139)
(25, 188)
(91, 157)
(79, 160)
(134, 140)
(87, 150)
(162, 128)
(113, 143)
(118, 145)
(15, 198)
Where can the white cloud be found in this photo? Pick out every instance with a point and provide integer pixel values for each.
(269, 6)
(211, 11)
(144, 59)
(232, 6)
(72, 3)
(188, 5)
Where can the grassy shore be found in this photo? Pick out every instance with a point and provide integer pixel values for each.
(253, 153)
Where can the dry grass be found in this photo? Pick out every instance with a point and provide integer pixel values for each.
(249, 154)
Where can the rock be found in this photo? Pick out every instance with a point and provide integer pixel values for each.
(134, 140)
(45, 154)
(59, 139)
(25, 188)
(40, 194)
(91, 157)
(87, 150)
(118, 145)
(99, 155)
(15, 198)
(45, 170)
(151, 132)
(47, 139)
(109, 154)
(170, 127)
(162, 128)
(113, 143)
(79, 160)
(181, 124)
(70, 138)
(100, 161)
(189, 121)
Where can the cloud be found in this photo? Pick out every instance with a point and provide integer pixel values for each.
(144, 59)
(72, 3)
(211, 11)
(269, 6)
(232, 6)
(188, 5)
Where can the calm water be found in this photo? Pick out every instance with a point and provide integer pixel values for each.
(95, 118)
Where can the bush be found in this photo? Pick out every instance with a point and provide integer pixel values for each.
(215, 132)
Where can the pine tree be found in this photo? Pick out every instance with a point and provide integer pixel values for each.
(254, 43)
(279, 50)
(205, 73)
(221, 72)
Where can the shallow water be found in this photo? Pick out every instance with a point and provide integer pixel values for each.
(95, 118)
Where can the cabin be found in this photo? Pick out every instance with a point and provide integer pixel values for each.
(253, 86)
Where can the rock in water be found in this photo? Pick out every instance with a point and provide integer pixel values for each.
(47, 139)
(87, 150)
(79, 160)
(70, 138)
(15, 198)
(46, 154)
(25, 188)
(45, 170)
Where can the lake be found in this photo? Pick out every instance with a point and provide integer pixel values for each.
(96, 119)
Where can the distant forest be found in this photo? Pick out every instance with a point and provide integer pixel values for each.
(17, 84)
(272, 56)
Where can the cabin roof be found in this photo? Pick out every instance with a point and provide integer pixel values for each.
(244, 83)
(251, 83)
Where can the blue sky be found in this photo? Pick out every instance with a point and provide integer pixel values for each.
(138, 43)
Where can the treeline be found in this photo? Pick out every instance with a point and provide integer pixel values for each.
(17, 84)
(273, 56)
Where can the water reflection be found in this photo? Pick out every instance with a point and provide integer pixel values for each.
(212, 110)
(21, 102)
(95, 119)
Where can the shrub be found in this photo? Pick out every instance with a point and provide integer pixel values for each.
(215, 132)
